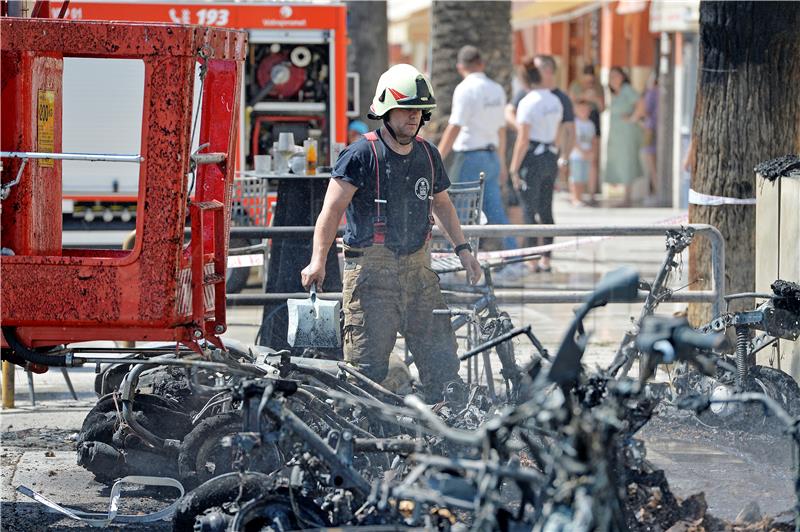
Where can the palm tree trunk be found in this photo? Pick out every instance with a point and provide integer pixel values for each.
(368, 52)
(486, 25)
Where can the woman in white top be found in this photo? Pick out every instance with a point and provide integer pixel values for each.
(534, 164)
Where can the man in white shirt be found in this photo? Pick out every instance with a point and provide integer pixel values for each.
(476, 133)
(534, 164)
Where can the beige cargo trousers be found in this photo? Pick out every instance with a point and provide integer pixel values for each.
(385, 293)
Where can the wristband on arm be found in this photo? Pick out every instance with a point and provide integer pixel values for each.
(461, 247)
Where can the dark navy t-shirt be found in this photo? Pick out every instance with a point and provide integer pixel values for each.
(405, 184)
(569, 113)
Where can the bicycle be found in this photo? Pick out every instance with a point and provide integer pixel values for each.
(485, 322)
(657, 292)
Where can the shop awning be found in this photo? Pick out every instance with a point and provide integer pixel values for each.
(675, 16)
(627, 7)
(545, 11)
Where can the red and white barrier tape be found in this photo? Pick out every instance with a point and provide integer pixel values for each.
(245, 261)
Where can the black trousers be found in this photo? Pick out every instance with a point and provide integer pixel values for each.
(539, 172)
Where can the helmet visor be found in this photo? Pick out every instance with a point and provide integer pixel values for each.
(423, 97)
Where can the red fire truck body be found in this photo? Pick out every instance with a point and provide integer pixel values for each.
(295, 80)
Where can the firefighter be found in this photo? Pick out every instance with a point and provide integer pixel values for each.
(392, 184)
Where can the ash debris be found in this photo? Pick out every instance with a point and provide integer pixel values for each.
(787, 295)
(39, 438)
(784, 166)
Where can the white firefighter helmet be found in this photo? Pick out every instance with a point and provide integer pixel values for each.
(402, 87)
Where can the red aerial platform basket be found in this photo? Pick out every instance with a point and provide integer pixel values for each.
(163, 289)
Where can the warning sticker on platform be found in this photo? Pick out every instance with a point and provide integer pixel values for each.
(45, 131)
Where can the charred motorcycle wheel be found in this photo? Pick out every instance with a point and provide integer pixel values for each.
(205, 454)
(163, 418)
(202, 506)
(101, 451)
(215, 505)
(282, 510)
(761, 379)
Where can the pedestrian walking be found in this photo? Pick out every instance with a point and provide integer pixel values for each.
(521, 87)
(624, 134)
(534, 164)
(476, 133)
(391, 184)
(546, 65)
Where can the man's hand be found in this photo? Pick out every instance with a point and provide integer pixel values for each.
(313, 273)
(503, 178)
(471, 265)
(447, 140)
(563, 168)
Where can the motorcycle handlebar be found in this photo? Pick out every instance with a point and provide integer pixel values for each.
(687, 337)
(677, 332)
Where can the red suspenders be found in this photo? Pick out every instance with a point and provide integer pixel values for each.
(430, 195)
(379, 221)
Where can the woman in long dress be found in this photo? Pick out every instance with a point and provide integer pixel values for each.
(624, 134)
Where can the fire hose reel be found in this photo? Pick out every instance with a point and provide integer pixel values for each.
(285, 78)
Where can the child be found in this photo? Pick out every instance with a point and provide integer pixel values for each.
(581, 160)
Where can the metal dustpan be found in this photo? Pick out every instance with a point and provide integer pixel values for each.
(313, 322)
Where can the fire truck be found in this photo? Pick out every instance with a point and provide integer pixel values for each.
(295, 80)
(164, 288)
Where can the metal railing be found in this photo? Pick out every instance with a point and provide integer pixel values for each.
(5, 189)
(713, 296)
(107, 157)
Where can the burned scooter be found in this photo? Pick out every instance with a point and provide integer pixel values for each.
(776, 318)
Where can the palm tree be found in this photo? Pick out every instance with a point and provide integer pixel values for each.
(747, 111)
(454, 24)
(368, 52)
